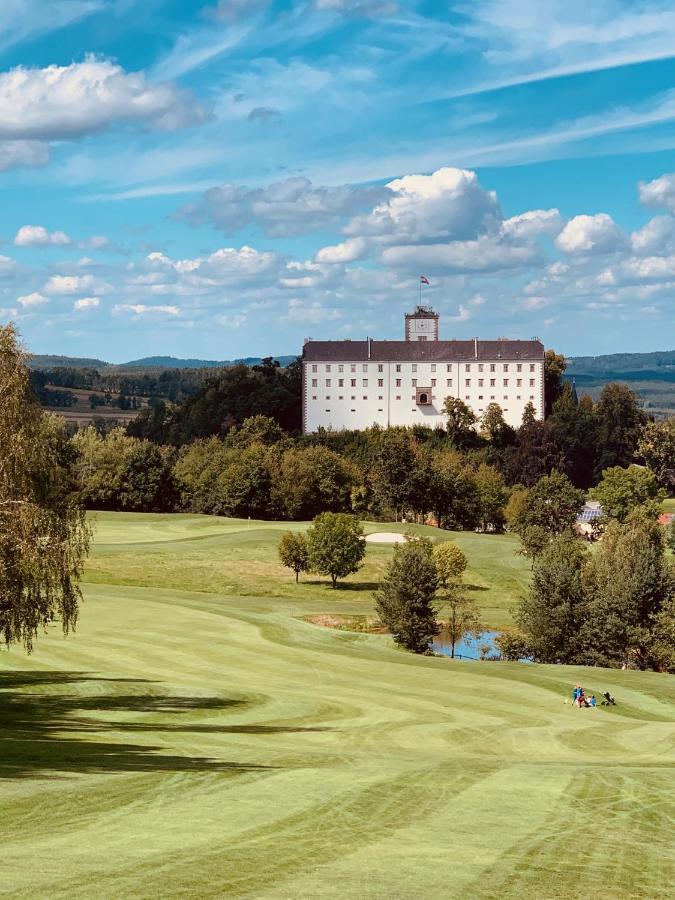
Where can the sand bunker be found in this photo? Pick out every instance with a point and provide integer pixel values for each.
(385, 537)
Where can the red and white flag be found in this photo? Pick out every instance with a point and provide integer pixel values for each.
(424, 279)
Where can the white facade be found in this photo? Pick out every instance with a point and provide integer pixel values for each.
(356, 384)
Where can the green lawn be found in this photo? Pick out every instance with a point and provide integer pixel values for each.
(191, 742)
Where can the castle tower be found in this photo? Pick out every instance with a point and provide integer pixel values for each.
(421, 325)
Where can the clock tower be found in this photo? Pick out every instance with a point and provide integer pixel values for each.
(422, 325)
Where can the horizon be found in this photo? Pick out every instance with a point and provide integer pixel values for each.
(201, 182)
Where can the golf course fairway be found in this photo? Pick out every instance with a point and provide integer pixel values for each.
(199, 741)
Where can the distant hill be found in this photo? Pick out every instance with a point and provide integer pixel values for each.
(650, 375)
(38, 361)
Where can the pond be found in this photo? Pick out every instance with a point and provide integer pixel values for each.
(467, 648)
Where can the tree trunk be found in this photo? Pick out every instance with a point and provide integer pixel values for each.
(334, 580)
(297, 575)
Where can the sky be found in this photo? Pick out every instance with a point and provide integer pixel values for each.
(225, 178)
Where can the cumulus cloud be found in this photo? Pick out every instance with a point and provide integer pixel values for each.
(659, 193)
(34, 299)
(289, 207)
(534, 223)
(314, 312)
(347, 251)
(18, 154)
(657, 236)
(86, 303)
(66, 102)
(38, 236)
(68, 284)
(482, 255)
(7, 265)
(590, 234)
(450, 203)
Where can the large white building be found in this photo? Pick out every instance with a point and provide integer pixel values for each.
(356, 384)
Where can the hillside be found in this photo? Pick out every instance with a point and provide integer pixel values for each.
(38, 361)
(650, 375)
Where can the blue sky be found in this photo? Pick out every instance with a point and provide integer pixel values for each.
(221, 179)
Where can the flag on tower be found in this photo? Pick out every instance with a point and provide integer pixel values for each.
(424, 279)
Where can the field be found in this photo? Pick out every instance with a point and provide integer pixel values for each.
(197, 737)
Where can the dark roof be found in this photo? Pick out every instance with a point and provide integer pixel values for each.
(384, 351)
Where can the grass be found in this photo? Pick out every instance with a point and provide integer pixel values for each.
(188, 742)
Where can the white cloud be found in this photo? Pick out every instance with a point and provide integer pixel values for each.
(482, 255)
(69, 284)
(233, 321)
(95, 242)
(314, 312)
(463, 315)
(7, 265)
(141, 309)
(347, 251)
(590, 234)
(62, 102)
(16, 154)
(293, 206)
(233, 10)
(38, 236)
(535, 302)
(25, 19)
(657, 236)
(86, 303)
(450, 203)
(34, 299)
(533, 223)
(659, 193)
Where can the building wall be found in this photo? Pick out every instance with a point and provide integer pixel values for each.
(385, 393)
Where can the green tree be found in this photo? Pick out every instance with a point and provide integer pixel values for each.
(391, 470)
(44, 536)
(670, 538)
(533, 539)
(512, 645)
(554, 367)
(619, 424)
(405, 599)
(293, 553)
(256, 430)
(463, 616)
(627, 582)
(335, 545)
(312, 480)
(621, 491)
(575, 428)
(657, 448)
(515, 510)
(552, 614)
(460, 421)
(553, 503)
(493, 426)
(492, 497)
(450, 561)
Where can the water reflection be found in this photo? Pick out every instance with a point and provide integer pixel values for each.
(469, 647)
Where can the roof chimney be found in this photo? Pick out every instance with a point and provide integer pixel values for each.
(475, 348)
(370, 346)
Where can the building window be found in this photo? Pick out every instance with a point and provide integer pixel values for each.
(505, 397)
(531, 367)
(352, 368)
(398, 382)
(380, 410)
(467, 397)
(341, 397)
(314, 368)
(327, 382)
(341, 368)
(365, 397)
(422, 337)
(506, 382)
(380, 382)
(480, 367)
(519, 382)
(414, 382)
(327, 410)
(414, 367)
(433, 367)
(314, 397)
(492, 382)
(380, 397)
(380, 367)
(398, 397)
(353, 381)
(480, 382)
(518, 397)
(492, 367)
(353, 410)
(531, 382)
(328, 368)
(448, 382)
(480, 396)
(327, 396)
(365, 367)
(315, 382)
(467, 367)
(365, 382)
(341, 382)
(506, 367)
(433, 382)
(467, 382)
(492, 397)
(448, 367)
(519, 367)
(353, 397)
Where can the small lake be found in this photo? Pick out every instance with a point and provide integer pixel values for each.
(467, 648)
